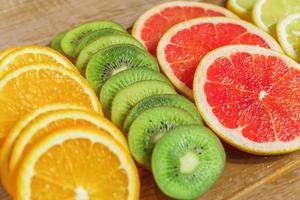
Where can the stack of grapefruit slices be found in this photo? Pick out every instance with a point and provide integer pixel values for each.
(244, 87)
(54, 139)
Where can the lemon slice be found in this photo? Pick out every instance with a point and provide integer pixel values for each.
(288, 33)
(242, 8)
(266, 13)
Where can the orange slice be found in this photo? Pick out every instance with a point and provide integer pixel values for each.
(30, 87)
(6, 52)
(6, 149)
(21, 56)
(48, 122)
(77, 163)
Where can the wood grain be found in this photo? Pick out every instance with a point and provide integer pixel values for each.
(245, 177)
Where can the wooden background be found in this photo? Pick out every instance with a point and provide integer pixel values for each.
(246, 177)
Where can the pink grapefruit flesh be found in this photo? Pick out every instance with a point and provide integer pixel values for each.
(182, 47)
(250, 97)
(155, 22)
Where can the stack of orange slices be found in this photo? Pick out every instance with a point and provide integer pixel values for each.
(55, 142)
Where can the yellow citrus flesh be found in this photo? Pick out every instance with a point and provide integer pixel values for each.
(31, 87)
(9, 142)
(243, 8)
(27, 55)
(77, 163)
(6, 52)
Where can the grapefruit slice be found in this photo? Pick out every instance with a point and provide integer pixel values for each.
(250, 97)
(149, 27)
(184, 45)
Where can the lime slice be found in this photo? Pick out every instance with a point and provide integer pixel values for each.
(288, 33)
(266, 13)
(242, 8)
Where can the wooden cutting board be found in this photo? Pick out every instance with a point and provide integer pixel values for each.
(24, 22)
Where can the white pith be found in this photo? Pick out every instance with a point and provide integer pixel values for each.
(234, 136)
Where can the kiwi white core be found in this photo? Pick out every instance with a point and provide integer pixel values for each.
(157, 137)
(188, 163)
(117, 70)
(81, 194)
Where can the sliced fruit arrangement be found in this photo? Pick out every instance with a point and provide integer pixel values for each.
(153, 24)
(53, 127)
(183, 46)
(134, 94)
(249, 96)
(267, 13)
(243, 8)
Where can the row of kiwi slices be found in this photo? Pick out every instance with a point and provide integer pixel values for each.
(164, 129)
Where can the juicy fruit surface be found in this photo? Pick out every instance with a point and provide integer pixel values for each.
(173, 100)
(123, 79)
(88, 39)
(46, 123)
(87, 53)
(110, 169)
(28, 55)
(28, 88)
(159, 19)
(288, 32)
(6, 149)
(131, 95)
(179, 56)
(112, 60)
(243, 8)
(149, 127)
(187, 161)
(249, 96)
(73, 37)
(266, 13)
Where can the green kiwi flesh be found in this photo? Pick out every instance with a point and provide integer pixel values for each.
(128, 97)
(87, 53)
(152, 125)
(123, 79)
(73, 37)
(172, 100)
(187, 161)
(88, 39)
(55, 43)
(109, 61)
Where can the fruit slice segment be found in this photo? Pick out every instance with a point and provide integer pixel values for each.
(250, 97)
(44, 174)
(288, 33)
(9, 141)
(54, 120)
(27, 55)
(149, 28)
(30, 87)
(242, 8)
(184, 45)
(266, 13)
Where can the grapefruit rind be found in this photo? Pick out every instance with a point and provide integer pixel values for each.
(26, 169)
(139, 24)
(233, 136)
(166, 39)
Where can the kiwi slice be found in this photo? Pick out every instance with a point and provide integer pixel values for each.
(114, 59)
(123, 79)
(88, 39)
(149, 127)
(74, 36)
(55, 43)
(132, 94)
(187, 161)
(172, 100)
(87, 53)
